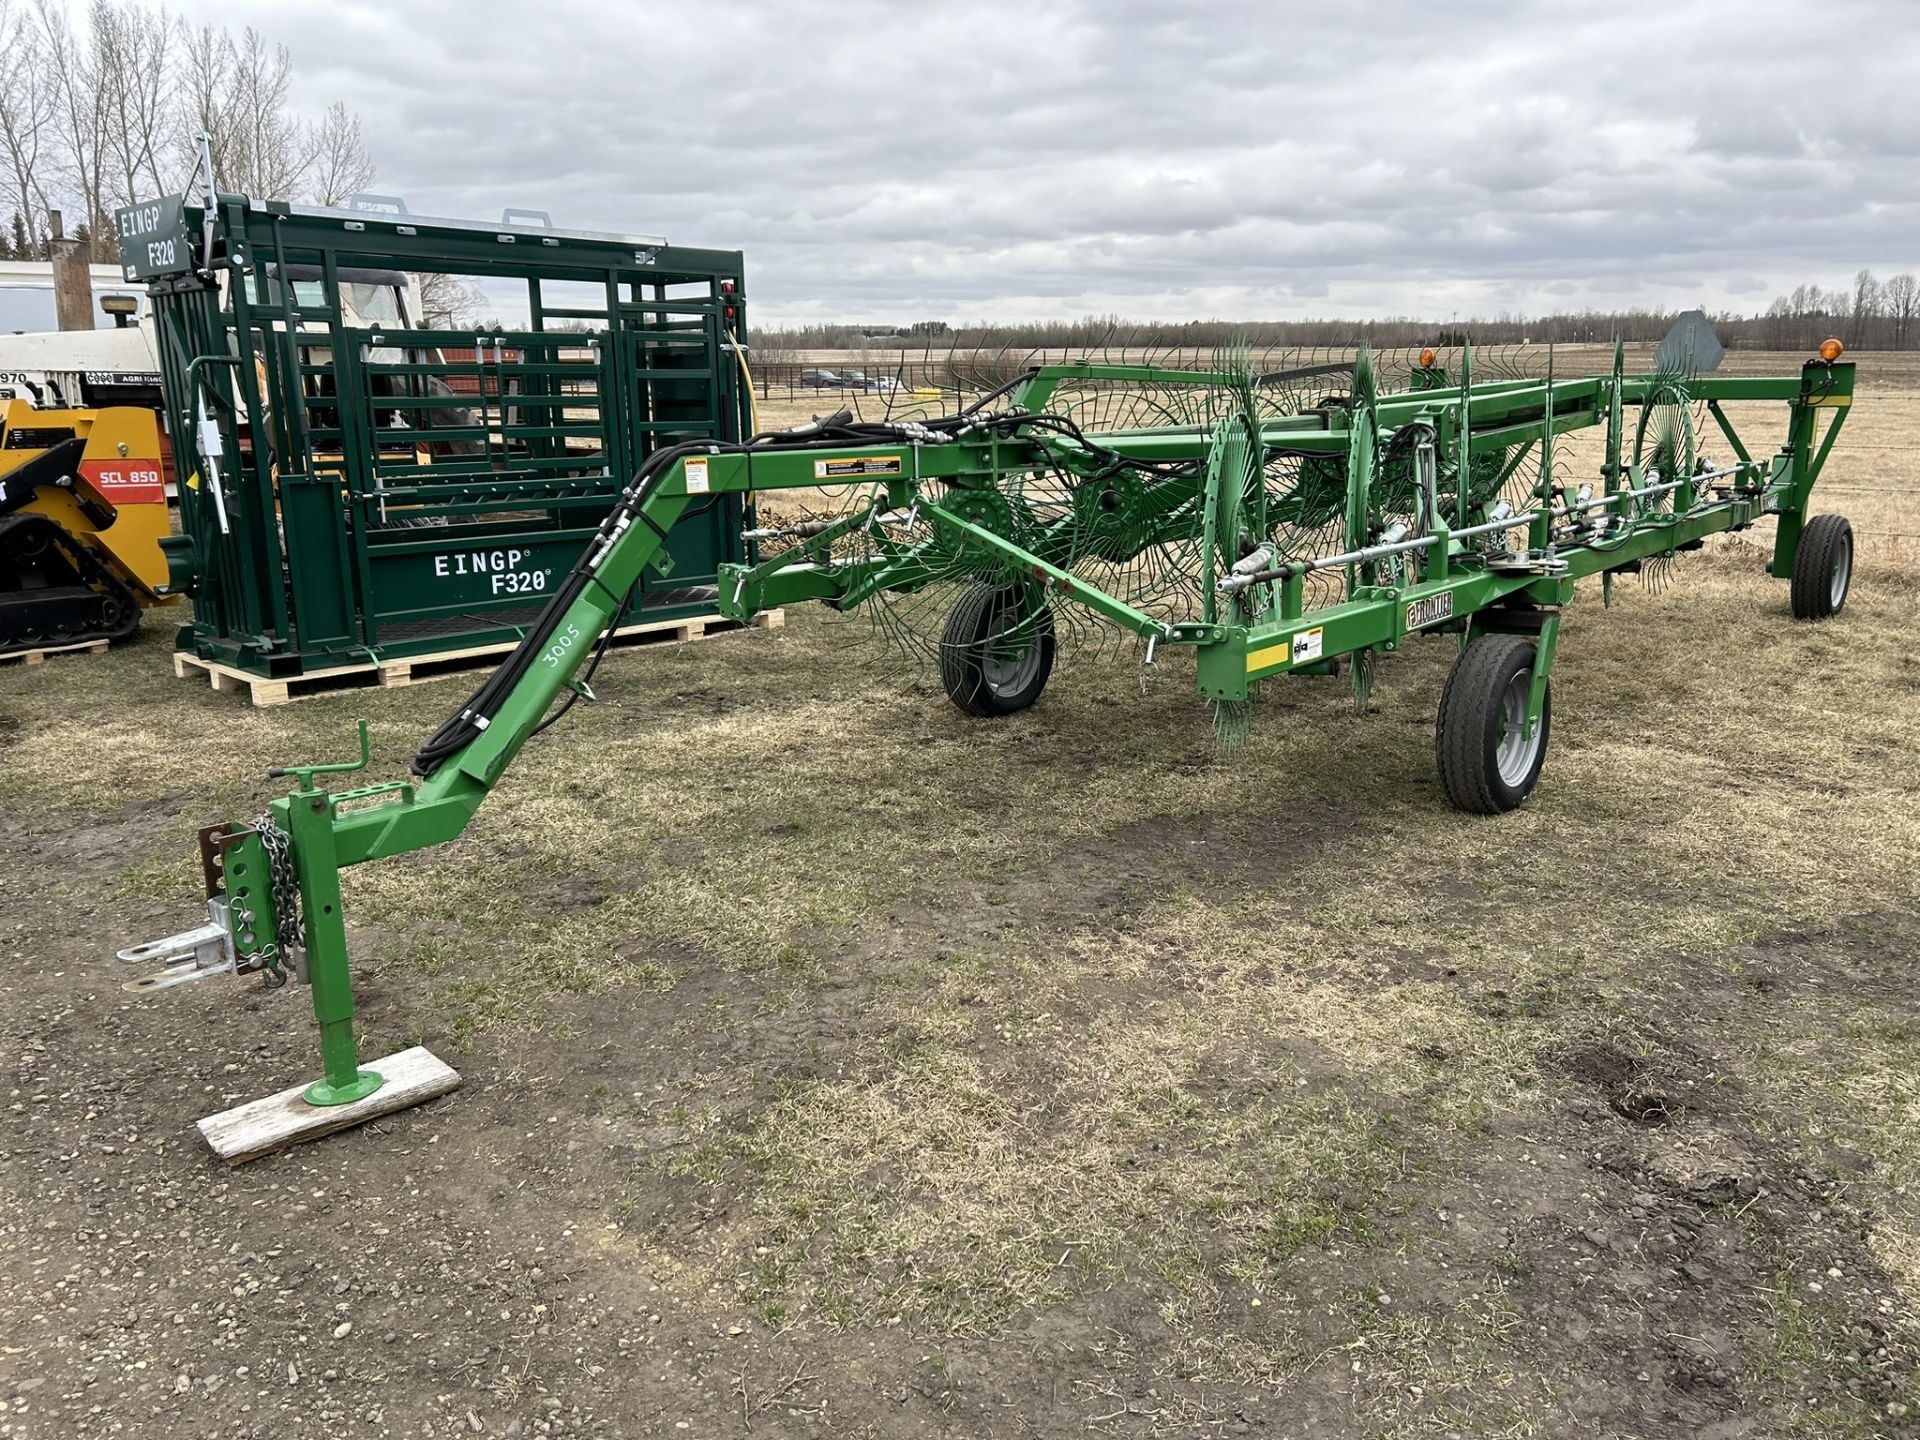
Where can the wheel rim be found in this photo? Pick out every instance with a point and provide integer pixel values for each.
(1518, 750)
(1009, 666)
(1842, 576)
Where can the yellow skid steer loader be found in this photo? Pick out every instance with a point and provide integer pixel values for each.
(83, 507)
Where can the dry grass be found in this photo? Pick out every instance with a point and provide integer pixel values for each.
(1132, 1012)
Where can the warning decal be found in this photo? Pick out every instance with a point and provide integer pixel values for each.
(855, 465)
(697, 476)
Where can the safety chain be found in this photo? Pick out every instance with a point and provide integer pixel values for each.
(284, 896)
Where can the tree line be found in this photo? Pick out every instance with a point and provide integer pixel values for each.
(1869, 314)
(100, 114)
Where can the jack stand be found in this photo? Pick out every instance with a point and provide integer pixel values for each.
(345, 1095)
(309, 819)
(244, 867)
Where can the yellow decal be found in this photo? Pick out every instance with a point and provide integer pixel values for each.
(1300, 650)
(1261, 659)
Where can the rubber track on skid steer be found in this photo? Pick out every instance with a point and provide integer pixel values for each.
(65, 612)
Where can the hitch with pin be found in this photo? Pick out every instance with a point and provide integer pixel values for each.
(273, 905)
(196, 954)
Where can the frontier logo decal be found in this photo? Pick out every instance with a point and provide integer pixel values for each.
(1430, 611)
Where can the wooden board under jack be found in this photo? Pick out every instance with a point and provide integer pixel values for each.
(260, 1127)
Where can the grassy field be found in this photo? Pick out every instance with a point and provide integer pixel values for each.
(840, 1066)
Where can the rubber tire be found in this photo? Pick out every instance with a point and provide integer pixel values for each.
(1824, 543)
(982, 613)
(1468, 731)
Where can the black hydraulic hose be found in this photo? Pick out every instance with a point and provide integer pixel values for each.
(593, 665)
(998, 391)
(467, 724)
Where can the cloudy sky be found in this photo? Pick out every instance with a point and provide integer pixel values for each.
(1170, 161)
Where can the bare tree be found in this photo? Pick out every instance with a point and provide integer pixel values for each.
(133, 50)
(1780, 323)
(278, 150)
(1902, 297)
(71, 70)
(206, 60)
(341, 164)
(448, 302)
(26, 121)
(237, 93)
(1866, 306)
(102, 105)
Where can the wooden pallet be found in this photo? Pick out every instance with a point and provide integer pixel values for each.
(39, 657)
(413, 669)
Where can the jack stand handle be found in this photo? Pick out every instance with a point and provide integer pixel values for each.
(305, 773)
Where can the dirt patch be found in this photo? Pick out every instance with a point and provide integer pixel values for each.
(1629, 1086)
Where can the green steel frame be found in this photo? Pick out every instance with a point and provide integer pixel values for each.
(367, 487)
(1463, 576)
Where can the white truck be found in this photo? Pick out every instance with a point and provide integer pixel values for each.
(112, 364)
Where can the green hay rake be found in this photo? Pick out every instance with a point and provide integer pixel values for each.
(1299, 519)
